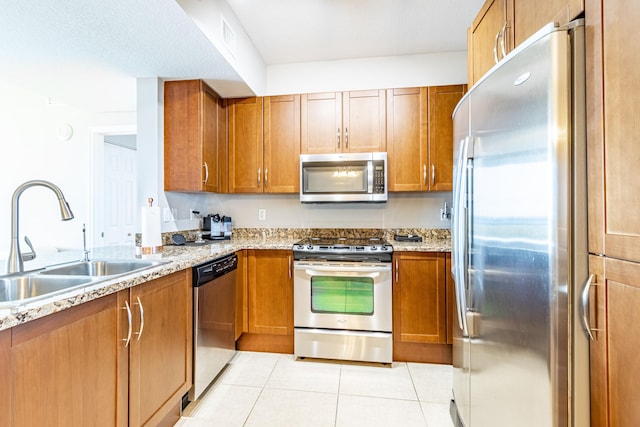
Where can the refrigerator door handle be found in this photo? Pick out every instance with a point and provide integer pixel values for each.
(460, 237)
(584, 307)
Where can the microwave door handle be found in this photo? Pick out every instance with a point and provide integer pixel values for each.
(370, 177)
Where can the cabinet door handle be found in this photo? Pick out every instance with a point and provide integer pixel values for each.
(584, 308)
(424, 173)
(495, 47)
(259, 170)
(338, 137)
(289, 265)
(206, 173)
(503, 42)
(396, 270)
(500, 36)
(128, 338)
(141, 309)
(266, 177)
(433, 174)
(346, 137)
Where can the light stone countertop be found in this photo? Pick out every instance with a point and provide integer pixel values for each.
(177, 258)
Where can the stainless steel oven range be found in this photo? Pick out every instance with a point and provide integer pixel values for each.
(343, 299)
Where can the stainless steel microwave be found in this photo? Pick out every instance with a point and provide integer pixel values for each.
(343, 177)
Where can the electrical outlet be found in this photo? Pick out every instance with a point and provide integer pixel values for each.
(262, 214)
(445, 212)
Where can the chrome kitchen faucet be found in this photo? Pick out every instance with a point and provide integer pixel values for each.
(14, 262)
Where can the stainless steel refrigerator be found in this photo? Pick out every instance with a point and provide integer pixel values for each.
(519, 233)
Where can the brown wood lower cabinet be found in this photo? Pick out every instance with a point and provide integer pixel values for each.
(72, 368)
(270, 302)
(419, 308)
(69, 369)
(160, 349)
(5, 374)
(615, 298)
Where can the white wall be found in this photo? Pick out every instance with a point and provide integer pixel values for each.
(30, 149)
(415, 210)
(368, 73)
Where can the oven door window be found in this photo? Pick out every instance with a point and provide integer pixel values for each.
(342, 295)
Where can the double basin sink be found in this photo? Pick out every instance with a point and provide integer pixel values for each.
(21, 288)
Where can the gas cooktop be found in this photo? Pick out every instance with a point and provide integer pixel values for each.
(340, 248)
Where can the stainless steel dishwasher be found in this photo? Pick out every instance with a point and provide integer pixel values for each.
(214, 300)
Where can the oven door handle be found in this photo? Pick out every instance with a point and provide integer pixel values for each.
(369, 270)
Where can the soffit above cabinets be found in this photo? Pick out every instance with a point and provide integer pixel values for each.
(291, 31)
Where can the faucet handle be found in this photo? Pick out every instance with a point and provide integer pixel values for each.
(29, 255)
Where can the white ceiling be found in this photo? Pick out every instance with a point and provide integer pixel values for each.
(89, 54)
(289, 31)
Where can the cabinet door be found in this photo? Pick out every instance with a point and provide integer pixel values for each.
(598, 346)
(490, 28)
(160, 351)
(242, 295)
(419, 301)
(407, 139)
(193, 137)
(66, 368)
(364, 120)
(452, 319)
(442, 102)
(530, 16)
(321, 123)
(246, 174)
(270, 292)
(618, 357)
(213, 141)
(612, 123)
(5, 372)
(282, 144)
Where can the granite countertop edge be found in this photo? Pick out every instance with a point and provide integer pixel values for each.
(178, 258)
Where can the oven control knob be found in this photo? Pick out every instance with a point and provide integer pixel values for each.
(383, 248)
(374, 247)
(309, 247)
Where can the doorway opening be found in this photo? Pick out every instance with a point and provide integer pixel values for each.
(113, 187)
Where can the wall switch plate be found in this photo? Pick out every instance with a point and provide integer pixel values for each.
(169, 214)
(262, 214)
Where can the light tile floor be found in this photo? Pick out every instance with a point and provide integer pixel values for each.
(267, 390)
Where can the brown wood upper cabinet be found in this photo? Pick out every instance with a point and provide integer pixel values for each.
(335, 122)
(264, 144)
(194, 138)
(490, 37)
(420, 137)
(501, 25)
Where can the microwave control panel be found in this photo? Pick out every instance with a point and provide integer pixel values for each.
(379, 179)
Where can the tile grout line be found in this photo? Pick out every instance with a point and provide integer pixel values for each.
(415, 389)
(260, 394)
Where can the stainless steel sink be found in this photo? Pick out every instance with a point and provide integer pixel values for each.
(101, 268)
(22, 288)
